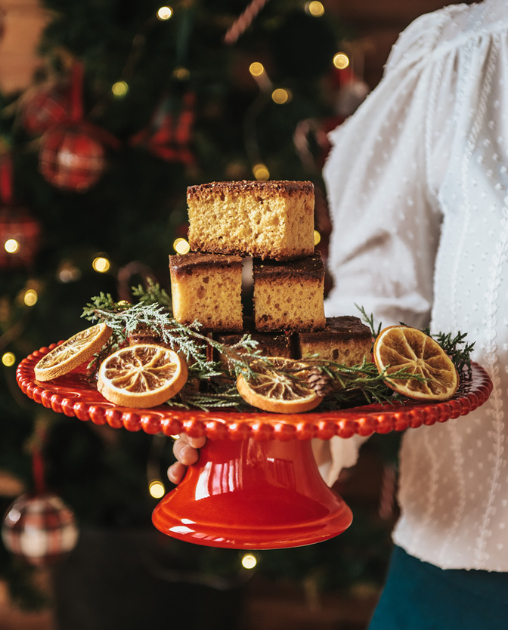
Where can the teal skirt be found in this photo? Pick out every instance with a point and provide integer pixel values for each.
(421, 596)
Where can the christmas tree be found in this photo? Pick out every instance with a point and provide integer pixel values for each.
(134, 103)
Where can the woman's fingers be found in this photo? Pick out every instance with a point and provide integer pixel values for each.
(176, 472)
(186, 452)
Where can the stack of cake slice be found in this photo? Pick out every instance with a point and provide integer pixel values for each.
(274, 222)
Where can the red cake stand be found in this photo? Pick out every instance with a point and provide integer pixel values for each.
(256, 484)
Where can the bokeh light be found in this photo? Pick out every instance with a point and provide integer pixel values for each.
(11, 245)
(156, 489)
(281, 96)
(249, 561)
(316, 9)
(8, 359)
(256, 69)
(30, 297)
(341, 60)
(120, 88)
(181, 246)
(317, 237)
(261, 173)
(164, 13)
(101, 264)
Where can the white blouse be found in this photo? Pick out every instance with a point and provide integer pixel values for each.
(418, 189)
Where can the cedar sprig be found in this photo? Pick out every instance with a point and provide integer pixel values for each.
(461, 357)
(369, 320)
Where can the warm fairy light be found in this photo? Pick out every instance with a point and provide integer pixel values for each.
(120, 88)
(101, 264)
(281, 96)
(164, 13)
(341, 60)
(181, 73)
(316, 9)
(156, 489)
(181, 246)
(317, 237)
(30, 298)
(261, 173)
(11, 246)
(249, 561)
(256, 69)
(8, 359)
(68, 272)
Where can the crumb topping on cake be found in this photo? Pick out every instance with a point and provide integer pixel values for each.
(278, 186)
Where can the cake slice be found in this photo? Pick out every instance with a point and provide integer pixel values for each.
(289, 296)
(269, 344)
(273, 219)
(207, 288)
(345, 340)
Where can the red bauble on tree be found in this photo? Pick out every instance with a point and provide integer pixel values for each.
(44, 107)
(71, 157)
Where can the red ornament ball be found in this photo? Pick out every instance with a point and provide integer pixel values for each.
(45, 107)
(19, 237)
(40, 529)
(71, 157)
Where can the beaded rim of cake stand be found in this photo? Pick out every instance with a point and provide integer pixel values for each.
(73, 395)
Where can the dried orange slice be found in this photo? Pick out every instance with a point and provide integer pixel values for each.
(73, 352)
(402, 347)
(142, 376)
(274, 390)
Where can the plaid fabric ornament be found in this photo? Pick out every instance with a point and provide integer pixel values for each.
(40, 529)
(169, 134)
(44, 107)
(71, 157)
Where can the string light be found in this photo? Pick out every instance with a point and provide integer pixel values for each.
(249, 561)
(164, 13)
(261, 173)
(11, 246)
(101, 264)
(316, 9)
(120, 88)
(256, 69)
(317, 237)
(341, 60)
(181, 246)
(30, 297)
(281, 96)
(156, 489)
(8, 359)
(181, 73)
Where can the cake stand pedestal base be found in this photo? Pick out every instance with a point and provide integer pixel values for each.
(251, 494)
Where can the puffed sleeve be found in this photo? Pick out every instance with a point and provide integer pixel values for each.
(385, 221)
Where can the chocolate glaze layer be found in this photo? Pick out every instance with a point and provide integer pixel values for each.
(309, 267)
(343, 328)
(279, 186)
(186, 264)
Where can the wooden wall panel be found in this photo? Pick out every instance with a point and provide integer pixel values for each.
(24, 21)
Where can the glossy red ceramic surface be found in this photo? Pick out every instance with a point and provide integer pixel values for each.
(269, 493)
(259, 489)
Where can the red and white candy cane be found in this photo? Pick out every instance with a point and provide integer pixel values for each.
(244, 21)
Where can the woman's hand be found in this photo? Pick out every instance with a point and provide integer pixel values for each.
(186, 452)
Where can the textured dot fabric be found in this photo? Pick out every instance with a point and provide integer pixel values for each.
(417, 181)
